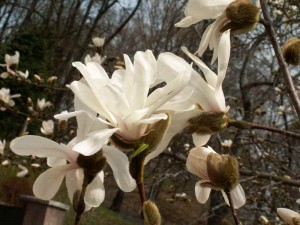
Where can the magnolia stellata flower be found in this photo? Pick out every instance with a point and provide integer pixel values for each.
(123, 101)
(47, 127)
(7, 99)
(2, 146)
(291, 51)
(238, 16)
(67, 163)
(219, 172)
(23, 172)
(42, 104)
(96, 58)
(10, 61)
(23, 75)
(289, 216)
(98, 42)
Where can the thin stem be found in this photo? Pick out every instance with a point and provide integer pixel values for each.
(234, 215)
(81, 204)
(282, 64)
(140, 182)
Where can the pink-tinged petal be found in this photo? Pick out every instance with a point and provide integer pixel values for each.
(48, 183)
(287, 215)
(74, 181)
(202, 192)
(237, 195)
(200, 140)
(94, 142)
(154, 118)
(95, 192)
(37, 146)
(119, 164)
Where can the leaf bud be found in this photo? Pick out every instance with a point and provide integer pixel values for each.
(151, 213)
(223, 170)
(291, 51)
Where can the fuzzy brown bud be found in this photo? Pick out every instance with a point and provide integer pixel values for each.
(208, 123)
(151, 213)
(223, 170)
(291, 51)
(243, 16)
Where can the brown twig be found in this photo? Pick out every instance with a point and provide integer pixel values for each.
(234, 215)
(283, 66)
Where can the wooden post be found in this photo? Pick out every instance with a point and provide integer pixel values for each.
(41, 212)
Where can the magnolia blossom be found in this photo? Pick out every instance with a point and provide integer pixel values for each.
(289, 216)
(98, 42)
(123, 101)
(6, 98)
(236, 15)
(200, 163)
(23, 172)
(23, 75)
(96, 58)
(2, 146)
(42, 104)
(64, 163)
(47, 127)
(10, 61)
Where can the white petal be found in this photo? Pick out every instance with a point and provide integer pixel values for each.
(74, 181)
(95, 192)
(237, 195)
(200, 140)
(55, 162)
(202, 192)
(48, 183)
(287, 215)
(37, 146)
(187, 21)
(119, 164)
(154, 118)
(94, 142)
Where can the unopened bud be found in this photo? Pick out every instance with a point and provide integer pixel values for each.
(264, 220)
(92, 165)
(291, 51)
(208, 123)
(223, 170)
(51, 79)
(151, 213)
(243, 16)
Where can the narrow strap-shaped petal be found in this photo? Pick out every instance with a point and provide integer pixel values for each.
(95, 192)
(202, 192)
(237, 195)
(94, 142)
(48, 183)
(119, 164)
(187, 21)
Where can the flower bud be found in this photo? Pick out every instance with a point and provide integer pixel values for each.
(223, 170)
(92, 165)
(208, 123)
(291, 51)
(151, 213)
(243, 16)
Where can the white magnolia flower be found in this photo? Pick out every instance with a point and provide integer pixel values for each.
(289, 216)
(23, 75)
(123, 101)
(47, 127)
(98, 42)
(236, 15)
(23, 172)
(96, 58)
(7, 99)
(199, 162)
(42, 104)
(5, 162)
(10, 61)
(2, 146)
(63, 161)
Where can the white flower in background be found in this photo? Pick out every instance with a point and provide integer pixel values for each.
(98, 42)
(289, 216)
(23, 172)
(2, 146)
(238, 16)
(23, 75)
(10, 60)
(212, 169)
(123, 101)
(227, 143)
(96, 58)
(47, 127)
(7, 99)
(5, 162)
(64, 163)
(42, 104)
